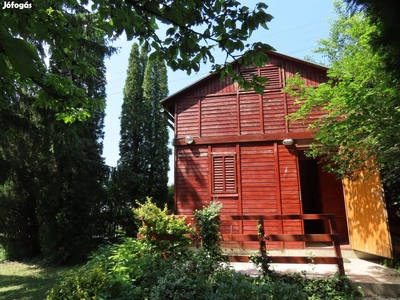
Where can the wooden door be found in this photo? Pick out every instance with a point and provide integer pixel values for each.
(367, 216)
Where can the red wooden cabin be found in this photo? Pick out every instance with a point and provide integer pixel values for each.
(237, 147)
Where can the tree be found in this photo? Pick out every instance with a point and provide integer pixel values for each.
(361, 100)
(155, 88)
(193, 29)
(72, 204)
(385, 40)
(144, 154)
(135, 112)
(52, 190)
(21, 161)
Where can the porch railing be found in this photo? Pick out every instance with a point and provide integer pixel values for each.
(262, 237)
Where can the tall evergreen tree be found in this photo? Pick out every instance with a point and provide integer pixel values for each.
(51, 192)
(133, 124)
(71, 207)
(155, 88)
(21, 164)
(143, 164)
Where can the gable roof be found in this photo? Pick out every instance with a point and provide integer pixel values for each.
(168, 100)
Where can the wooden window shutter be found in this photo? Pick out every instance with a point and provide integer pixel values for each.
(273, 74)
(224, 173)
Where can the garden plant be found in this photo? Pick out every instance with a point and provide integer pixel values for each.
(137, 268)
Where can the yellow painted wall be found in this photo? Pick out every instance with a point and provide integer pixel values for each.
(367, 216)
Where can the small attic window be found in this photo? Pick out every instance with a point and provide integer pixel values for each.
(273, 73)
(247, 74)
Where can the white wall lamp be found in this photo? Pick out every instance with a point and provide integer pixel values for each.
(287, 142)
(189, 139)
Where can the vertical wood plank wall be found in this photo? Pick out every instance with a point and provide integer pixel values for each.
(290, 192)
(191, 179)
(259, 195)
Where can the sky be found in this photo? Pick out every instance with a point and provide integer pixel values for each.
(295, 29)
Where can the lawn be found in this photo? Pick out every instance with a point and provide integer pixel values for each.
(27, 281)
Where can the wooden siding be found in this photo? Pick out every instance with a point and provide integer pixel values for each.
(259, 194)
(187, 117)
(229, 201)
(224, 110)
(311, 75)
(250, 114)
(191, 179)
(258, 180)
(274, 112)
(219, 116)
(290, 193)
(211, 86)
(301, 125)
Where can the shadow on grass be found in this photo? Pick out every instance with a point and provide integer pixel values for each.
(27, 281)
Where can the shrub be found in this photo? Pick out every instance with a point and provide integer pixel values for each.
(156, 221)
(336, 287)
(134, 269)
(228, 284)
(86, 283)
(181, 282)
(121, 271)
(207, 229)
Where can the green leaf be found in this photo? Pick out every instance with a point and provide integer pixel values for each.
(171, 31)
(191, 44)
(22, 56)
(217, 6)
(264, 25)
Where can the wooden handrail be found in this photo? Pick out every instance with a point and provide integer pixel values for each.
(331, 237)
(277, 217)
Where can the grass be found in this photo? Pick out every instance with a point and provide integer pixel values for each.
(27, 281)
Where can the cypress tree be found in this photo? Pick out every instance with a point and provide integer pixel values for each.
(144, 153)
(155, 88)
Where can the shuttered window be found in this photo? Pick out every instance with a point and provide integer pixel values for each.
(224, 173)
(272, 73)
(274, 76)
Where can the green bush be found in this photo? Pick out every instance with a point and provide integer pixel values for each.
(131, 270)
(228, 284)
(120, 271)
(134, 269)
(207, 233)
(157, 221)
(336, 287)
(86, 283)
(180, 282)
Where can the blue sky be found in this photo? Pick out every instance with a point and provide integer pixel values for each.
(294, 31)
